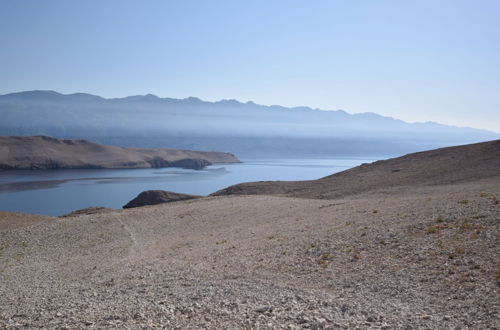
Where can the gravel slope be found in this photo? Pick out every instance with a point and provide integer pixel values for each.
(13, 220)
(422, 258)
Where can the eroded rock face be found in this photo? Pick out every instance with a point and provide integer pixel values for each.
(153, 197)
(189, 163)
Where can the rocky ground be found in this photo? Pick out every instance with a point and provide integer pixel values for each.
(421, 257)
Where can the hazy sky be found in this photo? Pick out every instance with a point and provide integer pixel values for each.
(421, 60)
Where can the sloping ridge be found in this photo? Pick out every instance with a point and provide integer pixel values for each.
(435, 167)
(42, 152)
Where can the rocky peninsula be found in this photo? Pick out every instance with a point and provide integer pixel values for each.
(43, 152)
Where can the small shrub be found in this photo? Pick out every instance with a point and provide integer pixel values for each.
(375, 211)
(464, 201)
(483, 194)
(466, 226)
(439, 220)
(494, 200)
(432, 229)
(441, 245)
(324, 259)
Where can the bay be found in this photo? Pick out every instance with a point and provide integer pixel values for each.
(56, 192)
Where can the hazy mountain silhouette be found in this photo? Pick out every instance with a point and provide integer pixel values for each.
(226, 125)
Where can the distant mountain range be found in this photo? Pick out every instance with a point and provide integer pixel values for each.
(246, 129)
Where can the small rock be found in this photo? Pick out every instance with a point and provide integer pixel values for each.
(264, 309)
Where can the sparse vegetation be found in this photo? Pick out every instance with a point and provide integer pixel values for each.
(464, 201)
(466, 226)
(324, 259)
(432, 229)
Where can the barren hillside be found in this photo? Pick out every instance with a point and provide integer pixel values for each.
(419, 251)
(466, 163)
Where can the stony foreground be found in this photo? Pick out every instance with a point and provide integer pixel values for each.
(409, 258)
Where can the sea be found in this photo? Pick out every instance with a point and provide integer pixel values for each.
(57, 192)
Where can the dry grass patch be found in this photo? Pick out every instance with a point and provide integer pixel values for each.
(324, 259)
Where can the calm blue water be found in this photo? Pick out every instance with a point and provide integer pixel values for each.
(56, 192)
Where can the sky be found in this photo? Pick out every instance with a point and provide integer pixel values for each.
(422, 60)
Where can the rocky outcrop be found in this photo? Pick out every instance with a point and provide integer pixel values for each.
(153, 197)
(87, 211)
(42, 152)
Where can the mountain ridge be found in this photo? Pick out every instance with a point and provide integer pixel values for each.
(246, 129)
(51, 94)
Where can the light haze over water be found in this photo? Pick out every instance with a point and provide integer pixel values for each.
(56, 192)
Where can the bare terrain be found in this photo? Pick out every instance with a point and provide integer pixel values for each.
(12, 220)
(450, 165)
(42, 152)
(416, 248)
